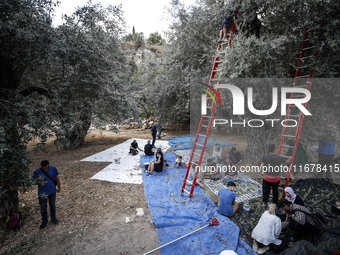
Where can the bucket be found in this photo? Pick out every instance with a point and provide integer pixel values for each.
(246, 206)
(117, 160)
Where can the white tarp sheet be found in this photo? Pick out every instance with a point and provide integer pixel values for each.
(128, 171)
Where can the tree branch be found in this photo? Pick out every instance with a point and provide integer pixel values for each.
(40, 90)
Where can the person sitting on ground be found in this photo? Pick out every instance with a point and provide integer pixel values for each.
(267, 231)
(234, 157)
(156, 166)
(217, 153)
(148, 149)
(211, 170)
(134, 148)
(292, 197)
(231, 173)
(229, 170)
(227, 205)
(298, 219)
(179, 162)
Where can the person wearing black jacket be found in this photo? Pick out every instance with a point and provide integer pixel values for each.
(148, 149)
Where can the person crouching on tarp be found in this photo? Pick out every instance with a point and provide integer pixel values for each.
(267, 231)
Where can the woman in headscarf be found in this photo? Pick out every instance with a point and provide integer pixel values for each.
(267, 231)
(292, 197)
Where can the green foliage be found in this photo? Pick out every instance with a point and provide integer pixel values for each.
(56, 80)
(26, 37)
(138, 40)
(128, 38)
(146, 107)
(155, 39)
(192, 40)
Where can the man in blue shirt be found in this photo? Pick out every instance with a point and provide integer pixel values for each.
(227, 205)
(45, 177)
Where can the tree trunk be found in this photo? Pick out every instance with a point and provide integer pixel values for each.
(9, 204)
(256, 145)
(77, 136)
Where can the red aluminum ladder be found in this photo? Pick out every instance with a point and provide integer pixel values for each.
(203, 117)
(291, 108)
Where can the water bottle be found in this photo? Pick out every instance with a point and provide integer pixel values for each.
(246, 206)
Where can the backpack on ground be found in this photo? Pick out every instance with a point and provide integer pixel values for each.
(14, 222)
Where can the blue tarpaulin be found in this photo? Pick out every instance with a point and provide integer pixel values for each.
(187, 142)
(175, 216)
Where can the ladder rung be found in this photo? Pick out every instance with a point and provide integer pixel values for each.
(309, 48)
(215, 79)
(206, 116)
(300, 86)
(289, 136)
(199, 144)
(186, 191)
(288, 146)
(218, 61)
(197, 154)
(189, 182)
(303, 76)
(293, 115)
(217, 70)
(307, 57)
(299, 96)
(193, 162)
(284, 155)
(204, 126)
(303, 67)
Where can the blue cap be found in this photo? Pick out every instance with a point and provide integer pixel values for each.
(229, 180)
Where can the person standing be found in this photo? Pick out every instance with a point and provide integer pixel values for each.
(47, 178)
(326, 158)
(271, 170)
(159, 131)
(227, 22)
(153, 129)
(311, 154)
